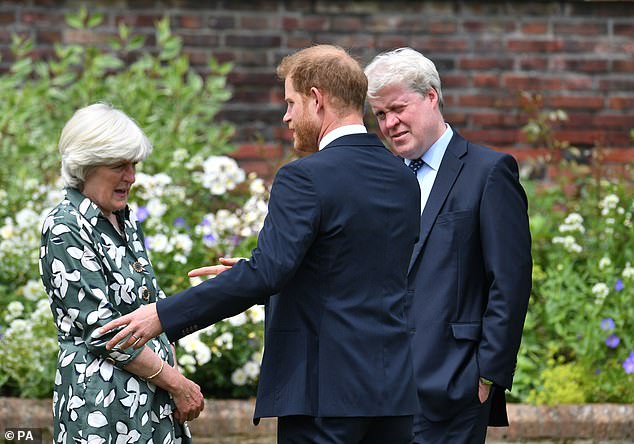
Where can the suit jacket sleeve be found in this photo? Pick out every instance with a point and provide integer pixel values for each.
(289, 229)
(506, 249)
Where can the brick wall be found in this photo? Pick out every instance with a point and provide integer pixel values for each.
(579, 55)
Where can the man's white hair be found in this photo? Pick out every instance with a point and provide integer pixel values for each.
(403, 66)
(99, 134)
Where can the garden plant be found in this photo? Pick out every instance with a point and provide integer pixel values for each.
(196, 204)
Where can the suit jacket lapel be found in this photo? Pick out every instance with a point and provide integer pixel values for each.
(448, 172)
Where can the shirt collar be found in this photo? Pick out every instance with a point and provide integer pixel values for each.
(433, 156)
(341, 131)
(87, 207)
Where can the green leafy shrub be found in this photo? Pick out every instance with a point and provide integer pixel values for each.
(195, 203)
(581, 309)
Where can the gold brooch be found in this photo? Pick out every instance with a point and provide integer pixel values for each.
(138, 267)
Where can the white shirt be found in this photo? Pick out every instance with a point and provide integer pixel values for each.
(341, 131)
(426, 175)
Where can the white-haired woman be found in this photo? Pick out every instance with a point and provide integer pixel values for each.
(95, 268)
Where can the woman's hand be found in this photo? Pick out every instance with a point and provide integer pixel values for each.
(189, 400)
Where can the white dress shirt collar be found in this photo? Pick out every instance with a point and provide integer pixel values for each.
(341, 131)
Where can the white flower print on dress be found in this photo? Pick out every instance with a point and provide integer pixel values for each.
(126, 436)
(61, 277)
(134, 398)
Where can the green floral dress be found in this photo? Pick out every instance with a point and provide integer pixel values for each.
(92, 275)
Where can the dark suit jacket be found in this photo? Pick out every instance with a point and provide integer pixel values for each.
(470, 281)
(335, 245)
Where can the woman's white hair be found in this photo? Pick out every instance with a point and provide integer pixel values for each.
(99, 134)
(403, 66)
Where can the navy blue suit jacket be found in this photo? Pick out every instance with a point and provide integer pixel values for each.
(334, 249)
(470, 281)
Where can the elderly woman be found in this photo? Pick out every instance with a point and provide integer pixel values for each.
(95, 268)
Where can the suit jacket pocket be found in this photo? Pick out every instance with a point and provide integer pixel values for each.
(452, 216)
(471, 331)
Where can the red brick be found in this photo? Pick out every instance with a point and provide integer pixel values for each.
(624, 66)
(7, 17)
(614, 120)
(434, 45)
(252, 78)
(253, 41)
(290, 23)
(584, 83)
(488, 119)
(139, 20)
(41, 18)
(535, 63)
(347, 24)
(255, 22)
(349, 41)
(190, 21)
(489, 26)
(315, 23)
(48, 36)
(221, 22)
(531, 82)
(590, 66)
(624, 29)
(200, 39)
(621, 102)
(85, 37)
(538, 46)
(581, 137)
(578, 102)
(258, 151)
(618, 155)
(477, 100)
(491, 138)
(298, 42)
(454, 81)
(486, 80)
(616, 84)
(386, 42)
(440, 27)
(534, 28)
(580, 28)
(485, 63)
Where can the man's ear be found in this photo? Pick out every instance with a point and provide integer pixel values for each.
(317, 98)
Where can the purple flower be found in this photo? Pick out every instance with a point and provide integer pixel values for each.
(597, 372)
(209, 240)
(142, 213)
(607, 324)
(618, 286)
(612, 341)
(147, 243)
(180, 222)
(628, 364)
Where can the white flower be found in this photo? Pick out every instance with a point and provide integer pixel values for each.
(33, 290)
(159, 243)
(609, 202)
(628, 271)
(601, 291)
(239, 377)
(184, 243)
(220, 174)
(569, 243)
(604, 263)
(27, 218)
(225, 339)
(156, 208)
(238, 320)
(572, 223)
(256, 313)
(252, 369)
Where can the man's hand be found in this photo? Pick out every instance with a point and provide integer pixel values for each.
(483, 392)
(140, 326)
(225, 264)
